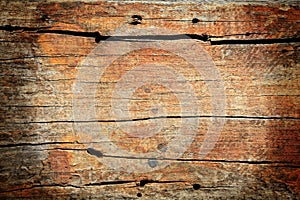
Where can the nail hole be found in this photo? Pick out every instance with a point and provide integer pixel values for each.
(196, 186)
(284, 50)
(195, 20)
(94, 152)
(247, 34)
(136, 19)
(139, 194)
(152, 163)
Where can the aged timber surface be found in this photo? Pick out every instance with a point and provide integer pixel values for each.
(255, 48)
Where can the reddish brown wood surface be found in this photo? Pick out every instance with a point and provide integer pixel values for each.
(257, 155)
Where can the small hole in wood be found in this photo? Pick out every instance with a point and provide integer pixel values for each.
(139, 194)
(152, 163)
(94, 152)
(196, 186)
(136, 19)
(247, 34)
(195, 20)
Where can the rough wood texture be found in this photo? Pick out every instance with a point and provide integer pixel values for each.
(255, 47)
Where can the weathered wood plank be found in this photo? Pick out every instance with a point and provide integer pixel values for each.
(240, 139)
(72, 172)
(52, 84)
(266, 20)
(44, 156)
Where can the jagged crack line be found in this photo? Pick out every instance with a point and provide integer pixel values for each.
(142, 38)
(162, 117)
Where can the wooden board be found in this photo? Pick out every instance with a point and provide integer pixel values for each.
(242, 143)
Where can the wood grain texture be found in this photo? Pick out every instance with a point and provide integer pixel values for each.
(257, 155)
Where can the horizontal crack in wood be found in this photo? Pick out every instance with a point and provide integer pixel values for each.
(203, 37)
(142, 183)
(41, 186)
(169, 117)
(256, 41)
(110, 183)
(147, 181)
(35, 144)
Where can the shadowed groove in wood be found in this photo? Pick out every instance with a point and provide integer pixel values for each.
(168, 117)
(205, 38)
